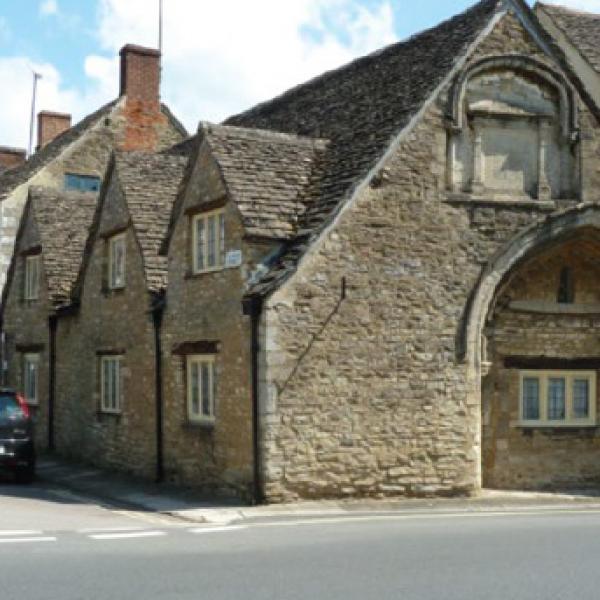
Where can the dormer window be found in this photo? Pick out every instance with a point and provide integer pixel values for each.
(208, 241)
(116, 261)
(32, 277)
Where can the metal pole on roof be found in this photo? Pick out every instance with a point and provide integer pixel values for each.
(36, 76)
(160, 25)
(160, 40)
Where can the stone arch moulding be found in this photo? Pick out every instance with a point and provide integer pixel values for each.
(535, 237)
(523, 64)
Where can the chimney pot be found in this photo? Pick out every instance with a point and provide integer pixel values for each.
(11, 158)
(50, 125)
(140, 74)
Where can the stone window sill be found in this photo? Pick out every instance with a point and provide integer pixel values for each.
(504, 201)
(105, 414)
(208, 425)
(200, 274)
(108, 292)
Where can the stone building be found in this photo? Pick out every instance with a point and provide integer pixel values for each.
(75, 158)
(48, 250)
(380, 282)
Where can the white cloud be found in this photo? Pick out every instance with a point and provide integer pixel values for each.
(48, 7)
(589, 5)
(51, 95)
(224, 56)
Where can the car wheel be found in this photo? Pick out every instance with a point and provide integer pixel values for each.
(26, 475)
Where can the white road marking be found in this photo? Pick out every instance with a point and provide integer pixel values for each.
(217, 529)
(127, 536)
(109, 529)
(19, 532)
(26, 540)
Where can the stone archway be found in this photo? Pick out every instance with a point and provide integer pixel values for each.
(532, 242)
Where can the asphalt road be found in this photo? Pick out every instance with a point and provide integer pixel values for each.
(56, 546)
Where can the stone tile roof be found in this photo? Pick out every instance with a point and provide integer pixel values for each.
(267, 174)
(63, 220)
(12, 178)
(150, 183)
(361, 108)
(582, 29)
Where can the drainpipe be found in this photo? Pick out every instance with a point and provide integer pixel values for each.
(52, 326)
(157, 317)
(253, 308)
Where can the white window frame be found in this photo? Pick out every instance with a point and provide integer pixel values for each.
(108, 402)
(569, 420)
(200, 260)
(113, 282)
(33, 360)
(193, 362)
(32, 277)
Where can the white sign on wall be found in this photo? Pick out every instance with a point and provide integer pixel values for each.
(233, 258)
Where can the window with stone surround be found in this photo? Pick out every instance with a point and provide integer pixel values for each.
(208, 241)
(31, 363)
(111, 383)
(31, 289)
(557, 399)
(201, 387)
(116, 261)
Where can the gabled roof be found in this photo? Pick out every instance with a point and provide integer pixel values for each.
(11, 179)
(267, 175)
(63, 220)
(582, 29)
(362, 107)
(150, 183)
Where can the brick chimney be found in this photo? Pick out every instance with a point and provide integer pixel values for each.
(11, 158)
(140, 86)
(50, 125)
(140, 74)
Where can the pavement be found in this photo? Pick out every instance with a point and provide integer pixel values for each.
(127, 492)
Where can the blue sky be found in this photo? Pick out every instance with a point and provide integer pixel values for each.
(219, 58)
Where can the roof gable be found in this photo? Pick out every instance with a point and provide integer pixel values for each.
(146, 184)
(59, 222)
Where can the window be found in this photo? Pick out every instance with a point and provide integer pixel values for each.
(30, 377)
(116, 261)
(208, 241)
(558, 398)
(110, 377)
(566, 286)
(32, 277)
(81, 183)
(201, 387)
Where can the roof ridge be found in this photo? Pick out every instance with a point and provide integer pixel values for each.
(268, 134)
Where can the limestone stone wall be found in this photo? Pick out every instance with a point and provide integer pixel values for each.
(528, 322)
(26, 331)
(363, 394)
(208, 307)
(108, 322)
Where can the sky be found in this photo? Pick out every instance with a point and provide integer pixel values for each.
(218, 57)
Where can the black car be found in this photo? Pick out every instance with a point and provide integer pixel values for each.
(17, 451)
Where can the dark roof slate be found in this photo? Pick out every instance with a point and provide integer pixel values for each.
(150, 183)
(582, 29)
(267, 174)
(361, 108)
(63, 220)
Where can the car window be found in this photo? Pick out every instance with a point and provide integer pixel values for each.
(10, 407)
